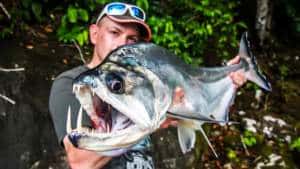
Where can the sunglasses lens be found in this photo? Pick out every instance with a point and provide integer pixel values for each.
(137, 12)
(116, 9)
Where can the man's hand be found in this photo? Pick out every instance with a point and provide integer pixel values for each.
(169, 122)
(237, 77)
(83, 159)
(178, 98)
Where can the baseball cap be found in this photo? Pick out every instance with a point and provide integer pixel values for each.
(126, 13)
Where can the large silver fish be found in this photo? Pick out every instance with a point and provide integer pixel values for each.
(137, 83)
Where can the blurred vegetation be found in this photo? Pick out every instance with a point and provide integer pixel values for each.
(189, 28)
(192, 29)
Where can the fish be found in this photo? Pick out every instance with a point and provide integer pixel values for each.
(138, 83)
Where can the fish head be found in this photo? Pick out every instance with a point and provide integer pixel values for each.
(130, 89)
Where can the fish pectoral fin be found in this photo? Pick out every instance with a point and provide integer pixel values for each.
(208, 142)
(198, 126)
(186, 137)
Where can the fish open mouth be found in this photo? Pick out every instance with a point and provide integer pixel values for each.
(107, 122)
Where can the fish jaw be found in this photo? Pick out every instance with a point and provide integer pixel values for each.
(145, 107)
(110, 143)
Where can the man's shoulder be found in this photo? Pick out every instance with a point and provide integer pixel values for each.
(65, 79)
(72, 73)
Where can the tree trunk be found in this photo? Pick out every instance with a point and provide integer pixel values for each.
(263, 21)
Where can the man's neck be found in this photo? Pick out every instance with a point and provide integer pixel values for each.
(94, 62)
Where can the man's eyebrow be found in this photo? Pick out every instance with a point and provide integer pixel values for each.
(119, 28)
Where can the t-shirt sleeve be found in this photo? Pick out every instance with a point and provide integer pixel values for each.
(61, 97)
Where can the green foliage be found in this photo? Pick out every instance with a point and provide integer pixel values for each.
(249, 138)
(295, 144)
(75, 21)
(284, 70)
(189, 28)
(26, 11)
(231, 154)
(192, 29)
(185, 27)
(73, 26)
(291, 9)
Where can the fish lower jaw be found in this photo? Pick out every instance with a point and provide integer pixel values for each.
(95, 134)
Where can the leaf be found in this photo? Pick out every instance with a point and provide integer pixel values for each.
(144, 4)
(209, 29)
(26, 3)
(85, 36)
(37, 10)
(80, 39)
(72, 14)
(83, 15)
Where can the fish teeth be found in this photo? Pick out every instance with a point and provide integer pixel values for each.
(73, 90)
(79, 119)
(93, 132)
(68, 124)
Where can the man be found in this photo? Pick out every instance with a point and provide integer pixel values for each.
(118, 24)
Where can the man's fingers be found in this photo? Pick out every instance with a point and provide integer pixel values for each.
(169, 122)
(234, 60)
(238, 78)
(101, 163)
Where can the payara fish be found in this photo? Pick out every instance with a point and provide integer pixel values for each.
(137, 84)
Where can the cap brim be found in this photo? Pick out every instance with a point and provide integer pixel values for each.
(146, 31)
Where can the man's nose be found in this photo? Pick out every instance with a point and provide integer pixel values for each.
(122, 40)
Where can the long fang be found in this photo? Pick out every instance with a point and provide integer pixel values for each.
(68, 124)
(79, 119)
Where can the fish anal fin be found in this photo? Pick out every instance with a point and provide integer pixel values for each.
(186, 137)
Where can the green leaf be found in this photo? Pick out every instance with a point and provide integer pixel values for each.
(102, 1)
(26, 3)
(231, 154)
(37, 10)
(209, 29)
(84, 15)
(296, 144)
(80, 39)
(72, 14)
(85, 36)
(144, 4)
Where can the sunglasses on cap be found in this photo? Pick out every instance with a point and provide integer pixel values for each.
(118, 8)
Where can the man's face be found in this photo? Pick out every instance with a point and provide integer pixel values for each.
(108, 35)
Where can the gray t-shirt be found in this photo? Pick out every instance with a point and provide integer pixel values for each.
(61, 97)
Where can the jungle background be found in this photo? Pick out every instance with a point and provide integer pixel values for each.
(41, 38)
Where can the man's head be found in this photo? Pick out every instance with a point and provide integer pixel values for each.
(118, 24)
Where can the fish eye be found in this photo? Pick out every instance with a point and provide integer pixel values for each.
(114, 83)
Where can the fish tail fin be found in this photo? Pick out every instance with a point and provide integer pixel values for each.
(252, 71)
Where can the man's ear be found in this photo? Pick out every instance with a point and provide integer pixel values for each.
(94, 29)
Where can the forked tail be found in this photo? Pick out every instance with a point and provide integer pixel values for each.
(253, 72)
